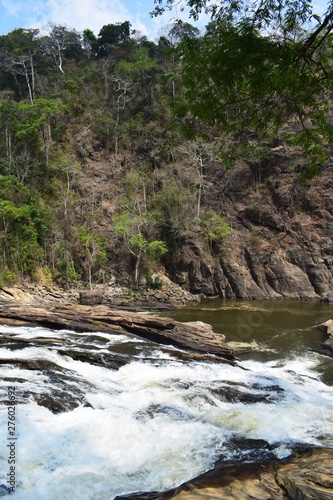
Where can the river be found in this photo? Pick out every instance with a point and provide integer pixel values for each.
(110, 414)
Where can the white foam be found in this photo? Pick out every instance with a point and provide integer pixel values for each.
(155, 424)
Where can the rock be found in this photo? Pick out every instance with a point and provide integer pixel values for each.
(328, 327)
(91, 297)
(309, 476)
(328, 343)
(37, 295)
(280, 245)
(15, 294)
(203, 328)
(306, 475)
(166, 296)
(196, 337)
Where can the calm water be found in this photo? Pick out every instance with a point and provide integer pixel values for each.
(98, 415)
(267, 329)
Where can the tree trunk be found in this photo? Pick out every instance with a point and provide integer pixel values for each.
(9, 153)
(31, 98)
(137, 269)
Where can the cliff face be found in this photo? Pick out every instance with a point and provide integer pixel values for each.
(281, 240)
(280, 245)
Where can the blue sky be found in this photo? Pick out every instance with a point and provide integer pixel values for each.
(80, 14)
(92, 14)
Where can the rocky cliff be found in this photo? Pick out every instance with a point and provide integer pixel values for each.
(281, 240)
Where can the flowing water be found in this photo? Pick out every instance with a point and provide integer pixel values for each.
(98, 415)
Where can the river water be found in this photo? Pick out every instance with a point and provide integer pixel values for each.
(100, 415)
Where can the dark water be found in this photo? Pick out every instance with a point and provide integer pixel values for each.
(268, 330)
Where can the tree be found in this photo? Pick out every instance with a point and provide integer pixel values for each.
(18, 49)
(94, 251)
(36, 121)
(131, 231)
(198, 157)
(181, 30)
(283, 15)
(90, 43)
(23, 224)
(113, 37)
(122, 91)
(8, 115)
(214, 227)
(259, 68)
(59, 42)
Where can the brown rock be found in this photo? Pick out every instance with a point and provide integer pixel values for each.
(307, 475)
(328, 327)
(327, 345)
(196, 337)
(15, 294)
(91, 297)
(280, 245)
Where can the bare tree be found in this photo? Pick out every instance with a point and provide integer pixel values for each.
(18, 50)
(58, 40)
(122, 90)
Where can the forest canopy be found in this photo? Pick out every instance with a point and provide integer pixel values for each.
(259, 67)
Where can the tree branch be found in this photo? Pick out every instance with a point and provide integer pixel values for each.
(309, 43)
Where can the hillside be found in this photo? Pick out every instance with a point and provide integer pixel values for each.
(280, 245)
(99, 184)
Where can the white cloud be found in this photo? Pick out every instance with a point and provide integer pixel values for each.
(92, 14)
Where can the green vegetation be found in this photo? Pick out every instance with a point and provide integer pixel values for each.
(137, 243)
(260, 67)
(23, 224)
(214, 227)
(114, 150)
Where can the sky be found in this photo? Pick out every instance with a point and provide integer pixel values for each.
(92, 14)
(81, 14)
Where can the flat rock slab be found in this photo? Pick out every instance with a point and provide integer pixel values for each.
(197, 336)
(307, 475)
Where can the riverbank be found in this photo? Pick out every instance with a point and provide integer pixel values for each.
(163, 295)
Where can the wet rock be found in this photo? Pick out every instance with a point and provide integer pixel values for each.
(111, 361)
(248, 450)
(155, 410)
(27, 364)
(306, 475)
(59, 401)
(327, 345)
(233, 395)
